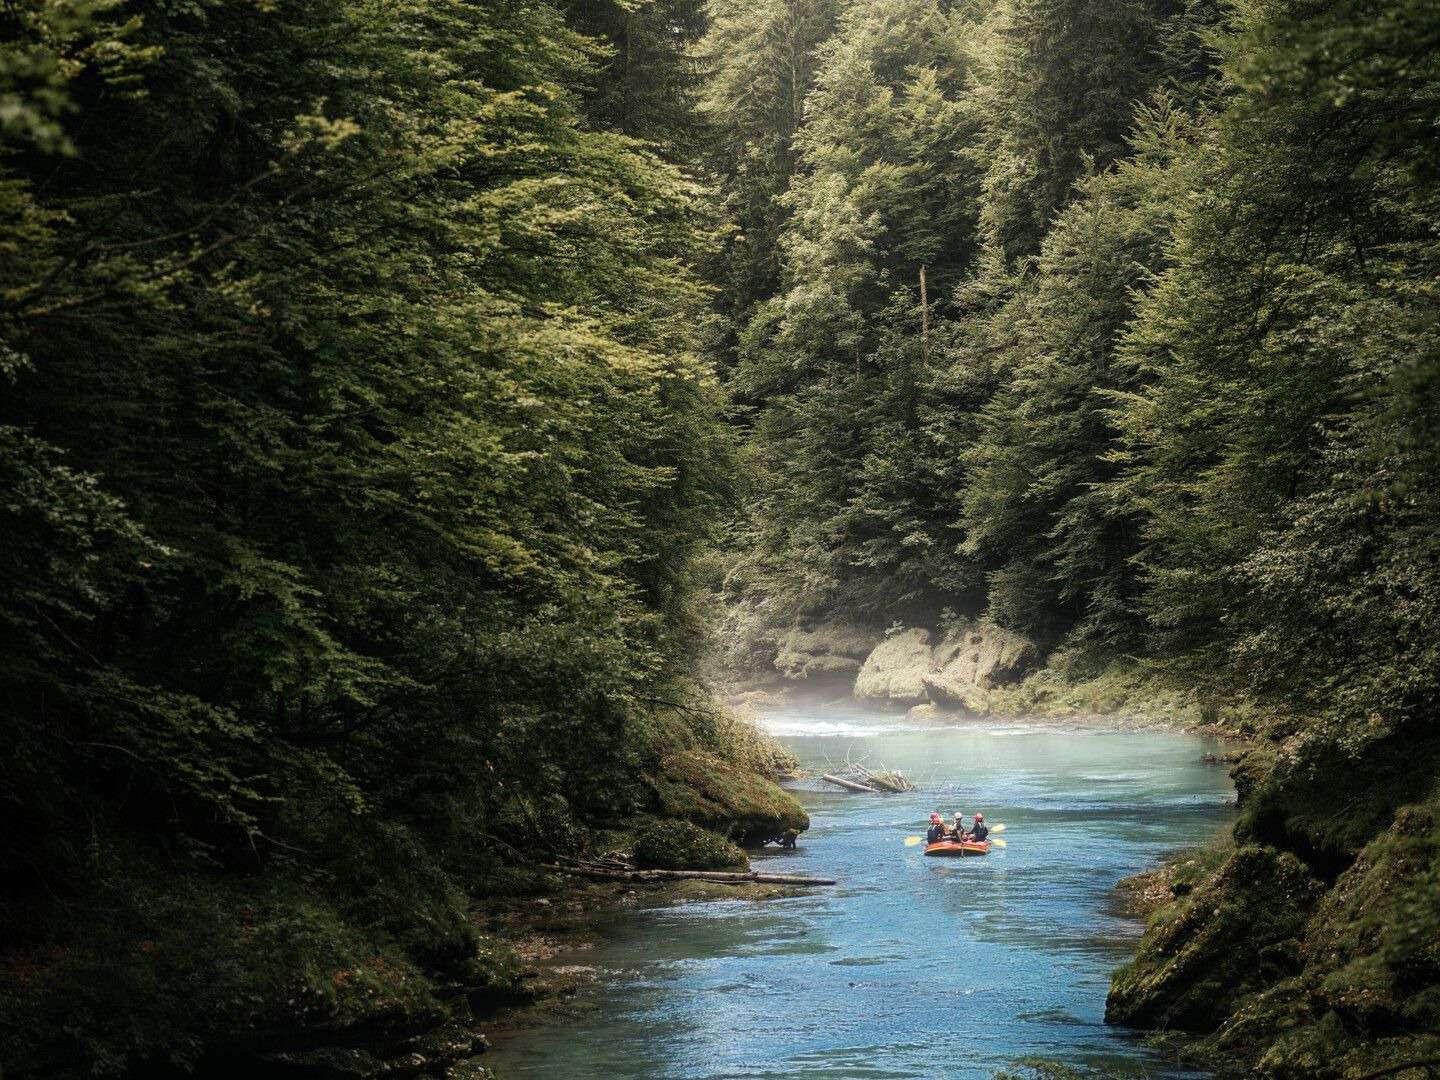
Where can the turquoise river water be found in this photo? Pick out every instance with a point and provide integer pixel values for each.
(911, 966)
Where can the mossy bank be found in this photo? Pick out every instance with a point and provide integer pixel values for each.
(386, 966)
(1310, 945)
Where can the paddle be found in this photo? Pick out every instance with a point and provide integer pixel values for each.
(998, 827)
(911, 841)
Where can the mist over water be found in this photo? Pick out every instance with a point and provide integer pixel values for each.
(911, 967)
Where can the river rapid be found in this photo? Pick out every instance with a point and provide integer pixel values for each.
(912, 966)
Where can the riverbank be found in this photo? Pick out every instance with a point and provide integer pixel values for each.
(1122, 696)
(552, 936)
(962, 670)
(379, 965)
(1302, 945)
(530, 950)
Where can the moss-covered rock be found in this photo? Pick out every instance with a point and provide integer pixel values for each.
(1238, 933)
(985, 656)
(1332, 791)
(952, 695)
(1314, 952)
(894, 671)
(1368, 991)
(960, 673)
(680, 845)
(716, 794)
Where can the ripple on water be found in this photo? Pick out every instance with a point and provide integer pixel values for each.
(912, 967)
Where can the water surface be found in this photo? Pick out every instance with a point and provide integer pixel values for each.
(911, 967)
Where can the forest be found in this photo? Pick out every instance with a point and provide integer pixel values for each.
(407, 407)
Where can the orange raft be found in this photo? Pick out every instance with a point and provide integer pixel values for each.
(954, 849)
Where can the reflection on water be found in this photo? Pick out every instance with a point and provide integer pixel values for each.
(911, 967)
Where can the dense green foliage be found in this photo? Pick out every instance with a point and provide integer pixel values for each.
(679, 845)
(1178, 382)
(1172, 402)
(354, 442)
(1175, 396)
(374, 372)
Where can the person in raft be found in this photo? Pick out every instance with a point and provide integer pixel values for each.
(936, 832)
(979, 831)
(958, 833)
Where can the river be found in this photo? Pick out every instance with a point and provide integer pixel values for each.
(911, 967)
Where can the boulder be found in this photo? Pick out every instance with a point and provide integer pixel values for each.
(952, 695)
(895, 670)
(984, 656)
(1234, 936)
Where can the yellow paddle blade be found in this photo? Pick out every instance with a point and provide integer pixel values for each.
(997, 828)
(911, 841)
(999, 843)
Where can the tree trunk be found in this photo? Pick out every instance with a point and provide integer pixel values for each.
(848, 785)
(724, 877)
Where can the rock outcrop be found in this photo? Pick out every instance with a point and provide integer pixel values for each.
(955, 695)
(1313, 948)
(895, 670)
(957, 674)
(725, 798)
(984, 656)
(824, 655)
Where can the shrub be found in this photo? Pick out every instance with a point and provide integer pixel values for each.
(679, 845)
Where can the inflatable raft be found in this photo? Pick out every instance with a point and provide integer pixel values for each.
(955, 849)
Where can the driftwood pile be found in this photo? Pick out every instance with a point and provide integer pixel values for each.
(872, 782)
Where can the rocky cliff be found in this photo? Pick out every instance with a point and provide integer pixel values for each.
(823, 655)
(957, 672)
(1313, 950)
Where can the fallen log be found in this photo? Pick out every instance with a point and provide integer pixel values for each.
(848, 785)
(886, 780)
(724, 877)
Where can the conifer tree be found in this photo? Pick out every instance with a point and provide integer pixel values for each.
(355, 441)
(836, 363)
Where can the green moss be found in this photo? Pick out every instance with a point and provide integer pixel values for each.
(713, 793)
(1236, 933)
(1073, 684)
(1334, 790)
(498, 975)
(1368, 993)
(1321, 959)
(679, 845)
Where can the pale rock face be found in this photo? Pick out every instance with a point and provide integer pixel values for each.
(985, 656)
(955, 695)
(895, 670)
(957, 674)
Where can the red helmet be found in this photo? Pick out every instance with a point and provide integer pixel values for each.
(934, 816)
(979, 817)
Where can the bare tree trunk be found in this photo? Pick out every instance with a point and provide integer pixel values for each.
(848, 785)
(924, 318)
(723, 877)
